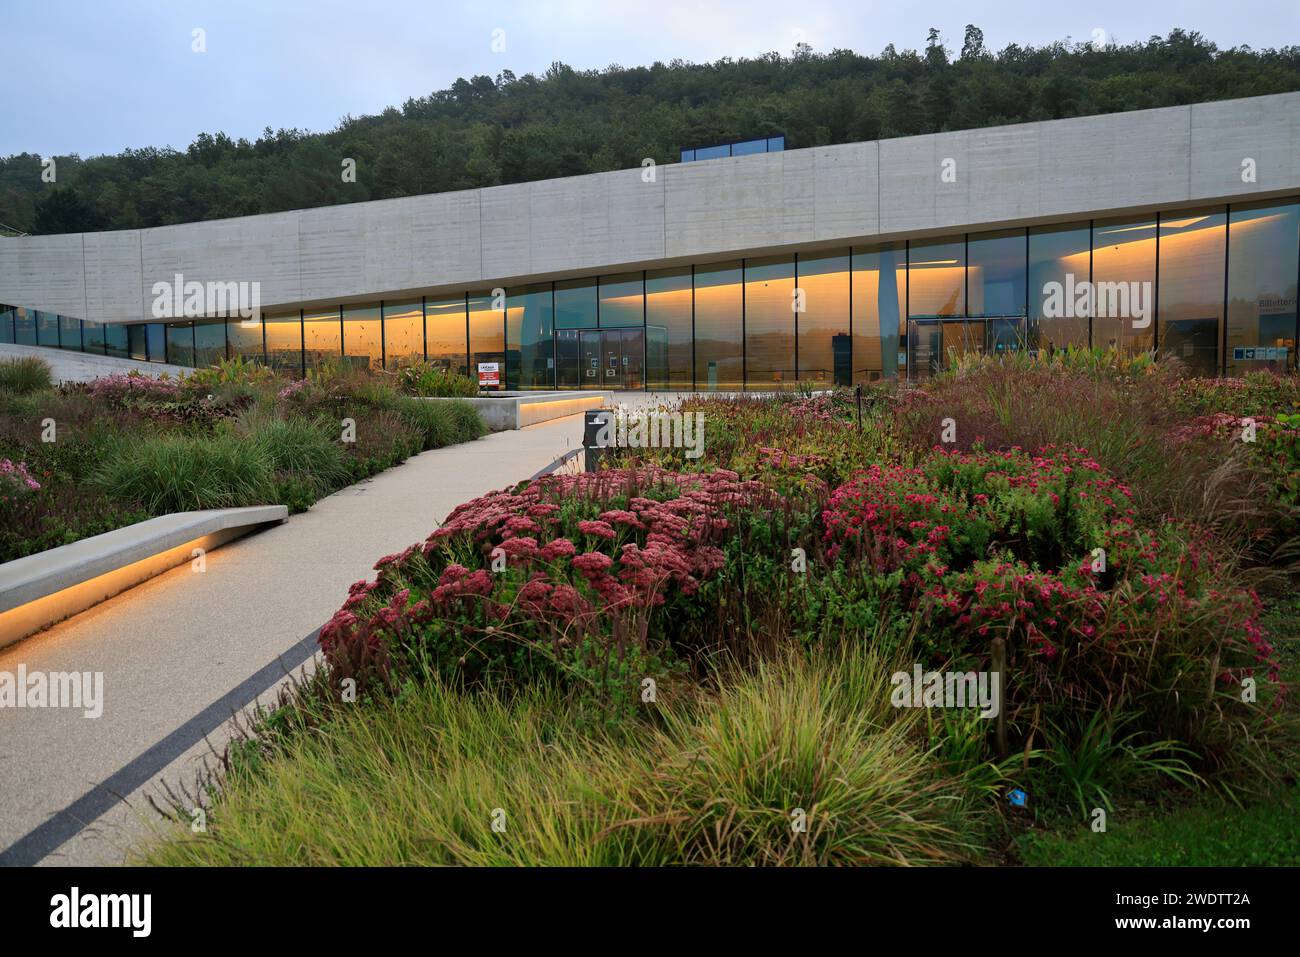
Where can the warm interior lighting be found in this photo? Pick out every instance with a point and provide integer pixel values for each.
(40, 613)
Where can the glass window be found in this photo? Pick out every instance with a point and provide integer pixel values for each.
(1192, 247)
(530, 353)
(69, 333)
(363, 342)
(284, 342)
(748, 147)
(403, 334)
(24, 326)
(92, 336)
(1060, 264)
(137, 342)
(575, 304)
(180, 344)
(669, 336)
(47, 329)
(713, 152)
(245, 338)
(936, 276)
(117, 340)
(622, 301)
(209, 342)
(6, 325)
(487, 336)
(322, 337)
(769, 324)
(445, 327)
(1263, 246)
(995, 273)
(1123, 277)
(718, 326)
(879, 298)
(823, 325)
(156, 341)
(688, 156)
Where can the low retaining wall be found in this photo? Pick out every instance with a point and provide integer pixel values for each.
(515, 410)
(42, 589)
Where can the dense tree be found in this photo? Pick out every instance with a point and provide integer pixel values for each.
(483, 131)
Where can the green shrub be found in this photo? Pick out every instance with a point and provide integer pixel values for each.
(25, 375)
(440, 423)
(233, 371)
(178, 473)
(300, 446)
(424, 379)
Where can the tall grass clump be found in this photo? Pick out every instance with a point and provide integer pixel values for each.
(25, 375)
(801, 762)
(299, 446)
(178, 472)
(440, 423)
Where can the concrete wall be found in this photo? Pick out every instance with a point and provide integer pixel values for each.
(476, 239)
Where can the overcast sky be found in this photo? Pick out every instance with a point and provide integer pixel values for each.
(97, 76)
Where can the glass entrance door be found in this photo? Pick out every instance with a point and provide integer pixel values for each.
(612, 358)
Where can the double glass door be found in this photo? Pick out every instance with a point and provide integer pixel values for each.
(932, 344)
(600, 358)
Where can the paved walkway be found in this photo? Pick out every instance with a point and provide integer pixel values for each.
(183, 651)
(69, 366)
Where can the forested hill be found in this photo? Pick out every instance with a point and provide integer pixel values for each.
(484, 131)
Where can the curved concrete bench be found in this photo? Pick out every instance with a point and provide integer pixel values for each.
(41, 589)
(516, 410)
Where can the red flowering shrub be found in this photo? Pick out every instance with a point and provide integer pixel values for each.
(989, 545)
(562, 575)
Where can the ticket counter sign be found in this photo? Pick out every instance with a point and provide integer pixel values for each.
(489, 375)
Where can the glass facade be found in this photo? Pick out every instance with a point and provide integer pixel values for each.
(1263, 245)
(1215, 288)
(403, 334)
(622, 301)
(47, 329)
(322, 337)
(1060, 267)
(769, 324)
(363, 339)
(936, 277)
(719, 327)
(92, 336)
(487, 335)
(669, 329)
(209, 342)
(445, 331)
(1123, 284)
(1190, 294)
(822, 324)
(244, 339)
(24, 326)
(117, 341)
(69, 333)
(530, 354)
(879, 294)
(996, 273)
(180, 343)
(284, 342)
